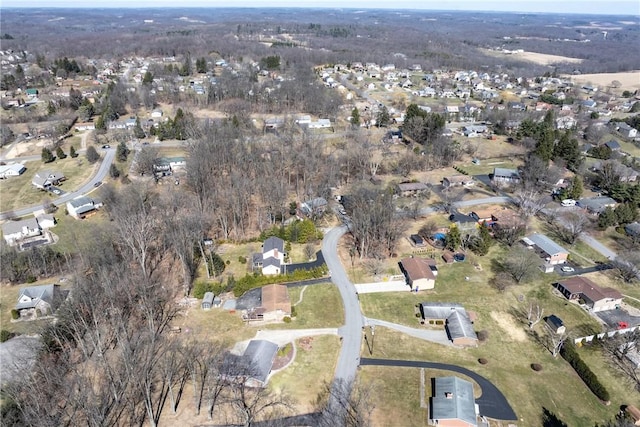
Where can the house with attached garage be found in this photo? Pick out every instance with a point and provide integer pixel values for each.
(453, 403)
(457, 181)
(596, 205)
(546, 248)
(43, 299)
(254, 365)
(45, 178)
(7, 171)
(271, 260)
(457, 321)
(82, 207)
(505, 176)
(414, 189)
(584, 291)
(420, 273)
(14, 231)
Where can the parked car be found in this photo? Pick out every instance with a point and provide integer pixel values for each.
(567, 269)
(568, 202)
(97, 184)
(105, 146)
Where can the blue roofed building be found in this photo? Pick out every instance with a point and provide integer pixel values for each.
(453, 403)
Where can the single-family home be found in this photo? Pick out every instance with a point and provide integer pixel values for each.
(83, 206)
(484, 215)
(595, 205)
(271, 260)
(406, 189)
(555, 324)
(253, 366)
(82, 126)
(583, 290)
(314, 207)
(546, 248)
(46, 221)
(626, 130)
(458, 181)
(420, 272)
(156, 114)
(275, 302)
(613, 145)
(207, 301)
(589, 103)
(456, 320)
(505, 176)
(465, 223)
(7, 171)
(45, 178)
(14, 231)
(43, 299)
(452, 403)
(633, 229)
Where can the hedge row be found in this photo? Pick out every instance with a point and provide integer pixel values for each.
(251, 281)
(570, 354)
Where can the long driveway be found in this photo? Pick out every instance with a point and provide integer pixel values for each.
(492, 402)
(103, 169)
(351, 331)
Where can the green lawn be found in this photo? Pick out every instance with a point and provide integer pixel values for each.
(19, 192)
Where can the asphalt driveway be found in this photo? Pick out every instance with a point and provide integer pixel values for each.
(492, 403)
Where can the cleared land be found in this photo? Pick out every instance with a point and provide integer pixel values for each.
(629, 80)
(538, 58)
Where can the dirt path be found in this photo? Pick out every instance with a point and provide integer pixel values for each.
(304, 288)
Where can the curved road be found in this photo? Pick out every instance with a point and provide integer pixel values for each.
(351, 331)
(492, 402)
(103, 169)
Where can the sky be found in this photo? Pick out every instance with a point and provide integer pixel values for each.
(596, 7)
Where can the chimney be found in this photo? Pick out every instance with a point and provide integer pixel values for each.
(448, 395)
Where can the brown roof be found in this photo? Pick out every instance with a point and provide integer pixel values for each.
(412, 186)
(276, 297)
(584, 286)
(485, 213)
(634, 412)
(418, 268)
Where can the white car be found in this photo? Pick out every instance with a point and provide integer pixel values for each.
(567, 269)
(568, 202)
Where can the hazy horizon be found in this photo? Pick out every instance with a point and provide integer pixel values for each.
(615, 7)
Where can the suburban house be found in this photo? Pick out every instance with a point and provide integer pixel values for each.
(595, 205)
(581, 289)
(168, 165)
(484, 215)
(82, 207)
(465, 223)
(633, 229)
(546, 248)
(626, 130)
(407, 189)
(207, 301)
(454, 317)
(7, 171)
(45, 298)
(14, 231)
(313, 207)
(46, 221)
(46, 178)
(275, 303)
(420, 272)
(82, 126)
(254, 366)
(555, 324)
(505, 176)
(452, 403)
(613, 145)
(271, 260)
(457, 181)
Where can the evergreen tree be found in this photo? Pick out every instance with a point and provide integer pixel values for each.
(47, 155)
(72, 152)
(92, 154)
(545, 144)
(355, 117)
(383, 118)
(626, 213)
(607, 218)
(577, 188)
(201, 65)
(138, 132)
(122, 152)
(453, 239)
(148, 78)
(114, 172)
(60, 153)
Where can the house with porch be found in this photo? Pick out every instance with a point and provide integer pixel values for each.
(583, 290)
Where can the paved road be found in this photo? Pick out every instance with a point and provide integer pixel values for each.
(351, 331)
(103, 169)
(492, 403)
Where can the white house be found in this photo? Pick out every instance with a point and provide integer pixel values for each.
(46, 221)
(46, 178)
(13, 231)
(82, 206)
(272, 256)
(156, 114)
(15, 169)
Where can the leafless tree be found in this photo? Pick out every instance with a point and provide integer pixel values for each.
(553, 340)
(509, 232)
(570, 226)
(530, 202)
(309, 250)
(146, 160)
(627, 265)
(534, 313)
(618, 348)
(345, 404)
(521, 264)
(252, 403)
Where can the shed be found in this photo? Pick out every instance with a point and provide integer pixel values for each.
(207, 301)
(417, 240)
(556, 324)
(634, 413)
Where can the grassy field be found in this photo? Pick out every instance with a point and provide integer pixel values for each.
(324, 298)
(312, 367)
(18, 191)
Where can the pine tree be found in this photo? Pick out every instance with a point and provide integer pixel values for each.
(47, 155)
(72, 152)
(383, 118)
(122, 152)
(453, 239)
(577, 188)
(60, 153)
(355, 117)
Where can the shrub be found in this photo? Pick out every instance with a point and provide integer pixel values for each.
(294, 312)
(483, 335)
(242, 259)
(201, 287)
(536, 367)
(31, 279)
(6, 335)
(569, 353)
(439, 322)
(14, 314)
(483, 361)
(286, 319)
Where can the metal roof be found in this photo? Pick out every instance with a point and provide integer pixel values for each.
(546, 244)
(439, 310)
(453, 399)
(258, 357)
(459, 325)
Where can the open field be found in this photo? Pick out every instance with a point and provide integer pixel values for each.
(629, 80)
(19, 192)
(535, 57)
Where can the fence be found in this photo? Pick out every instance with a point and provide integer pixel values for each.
(605, 334)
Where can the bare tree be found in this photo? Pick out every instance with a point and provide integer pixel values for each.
(145, 161)
(570, 226)
(530, 202)
(534, 313)
(345, 404)
(618, 348)
(627, 265)
(553, 340)
(521, 264)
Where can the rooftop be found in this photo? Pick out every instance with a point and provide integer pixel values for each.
(545, 244)
(584, 286)
(453, 399)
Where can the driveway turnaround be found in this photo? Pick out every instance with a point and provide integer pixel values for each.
(492, 403)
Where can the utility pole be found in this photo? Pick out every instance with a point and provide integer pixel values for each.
(373, 330)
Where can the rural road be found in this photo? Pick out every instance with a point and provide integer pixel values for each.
(103, 169)
(351, 331)
(492, 403)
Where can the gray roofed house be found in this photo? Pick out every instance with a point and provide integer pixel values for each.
(552, 252)
(46, 298)
(438, 310)
(47, 178)
(633, 229)
(505, 176)
(596, 205)
(207, 301)
(80, 207)
(613, 145)
(16, 230)
(412, 188)
(456, 320)
(453, 403)
(15, 169)
(258, 359)
(272, 255)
